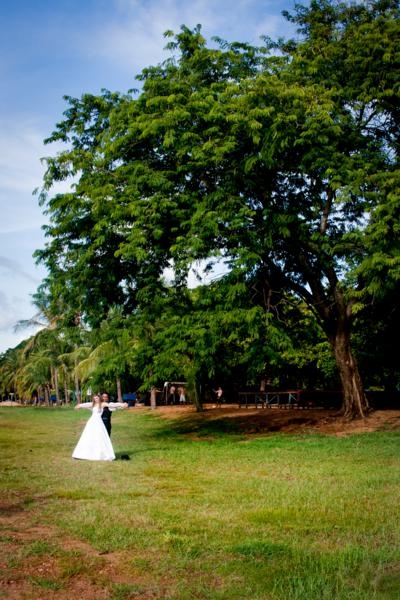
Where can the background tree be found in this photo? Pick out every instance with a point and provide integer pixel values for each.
(280, 161)
(111, 359)
(381, 322)
(86, 276)
(285, 171)
(10, 364)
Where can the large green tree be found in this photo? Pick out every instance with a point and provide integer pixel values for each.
(280, 161)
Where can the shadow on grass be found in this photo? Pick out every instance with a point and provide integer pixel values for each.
(213, 424)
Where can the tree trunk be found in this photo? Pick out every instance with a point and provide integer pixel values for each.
(153, 398)
(66, 394)
(77, 390)
(47, 394)
(355, 403)
(194, 386)
(65, 379)
(119, 390)
(56, 385)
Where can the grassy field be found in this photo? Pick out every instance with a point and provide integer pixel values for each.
(196, 513)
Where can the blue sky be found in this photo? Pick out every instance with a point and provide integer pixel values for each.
(52, 48)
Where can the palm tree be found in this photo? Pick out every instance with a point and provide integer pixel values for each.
(113, 353)
(10, 363)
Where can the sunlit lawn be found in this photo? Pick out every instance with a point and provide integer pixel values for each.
(213, 515)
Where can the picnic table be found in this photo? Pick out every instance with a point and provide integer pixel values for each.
(270, 399)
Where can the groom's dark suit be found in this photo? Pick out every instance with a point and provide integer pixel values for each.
(106, 418)
(106, 413)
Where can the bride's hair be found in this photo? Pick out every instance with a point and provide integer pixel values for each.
(96, 396)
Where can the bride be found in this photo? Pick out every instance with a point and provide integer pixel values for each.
(95, 443)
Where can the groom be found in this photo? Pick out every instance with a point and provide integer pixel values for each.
(106, 412)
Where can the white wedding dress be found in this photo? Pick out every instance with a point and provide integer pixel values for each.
(94, 443)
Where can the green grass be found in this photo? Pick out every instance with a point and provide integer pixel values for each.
(203, 512)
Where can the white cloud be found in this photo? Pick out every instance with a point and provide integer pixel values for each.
(14, 269)
(133, 38)
(13, 307)
(21, 147)
(17, 287)
(21, 172)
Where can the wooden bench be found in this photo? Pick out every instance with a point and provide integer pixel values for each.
(270, 399)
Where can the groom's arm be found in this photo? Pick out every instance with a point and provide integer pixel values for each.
(117, 405)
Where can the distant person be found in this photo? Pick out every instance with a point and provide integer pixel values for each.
(172, 395)
(219, 393)
(182, 395)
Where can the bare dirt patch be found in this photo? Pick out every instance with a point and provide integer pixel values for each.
(250, 421)
(38, 564)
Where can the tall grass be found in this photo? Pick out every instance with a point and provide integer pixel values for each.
(201, 511)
